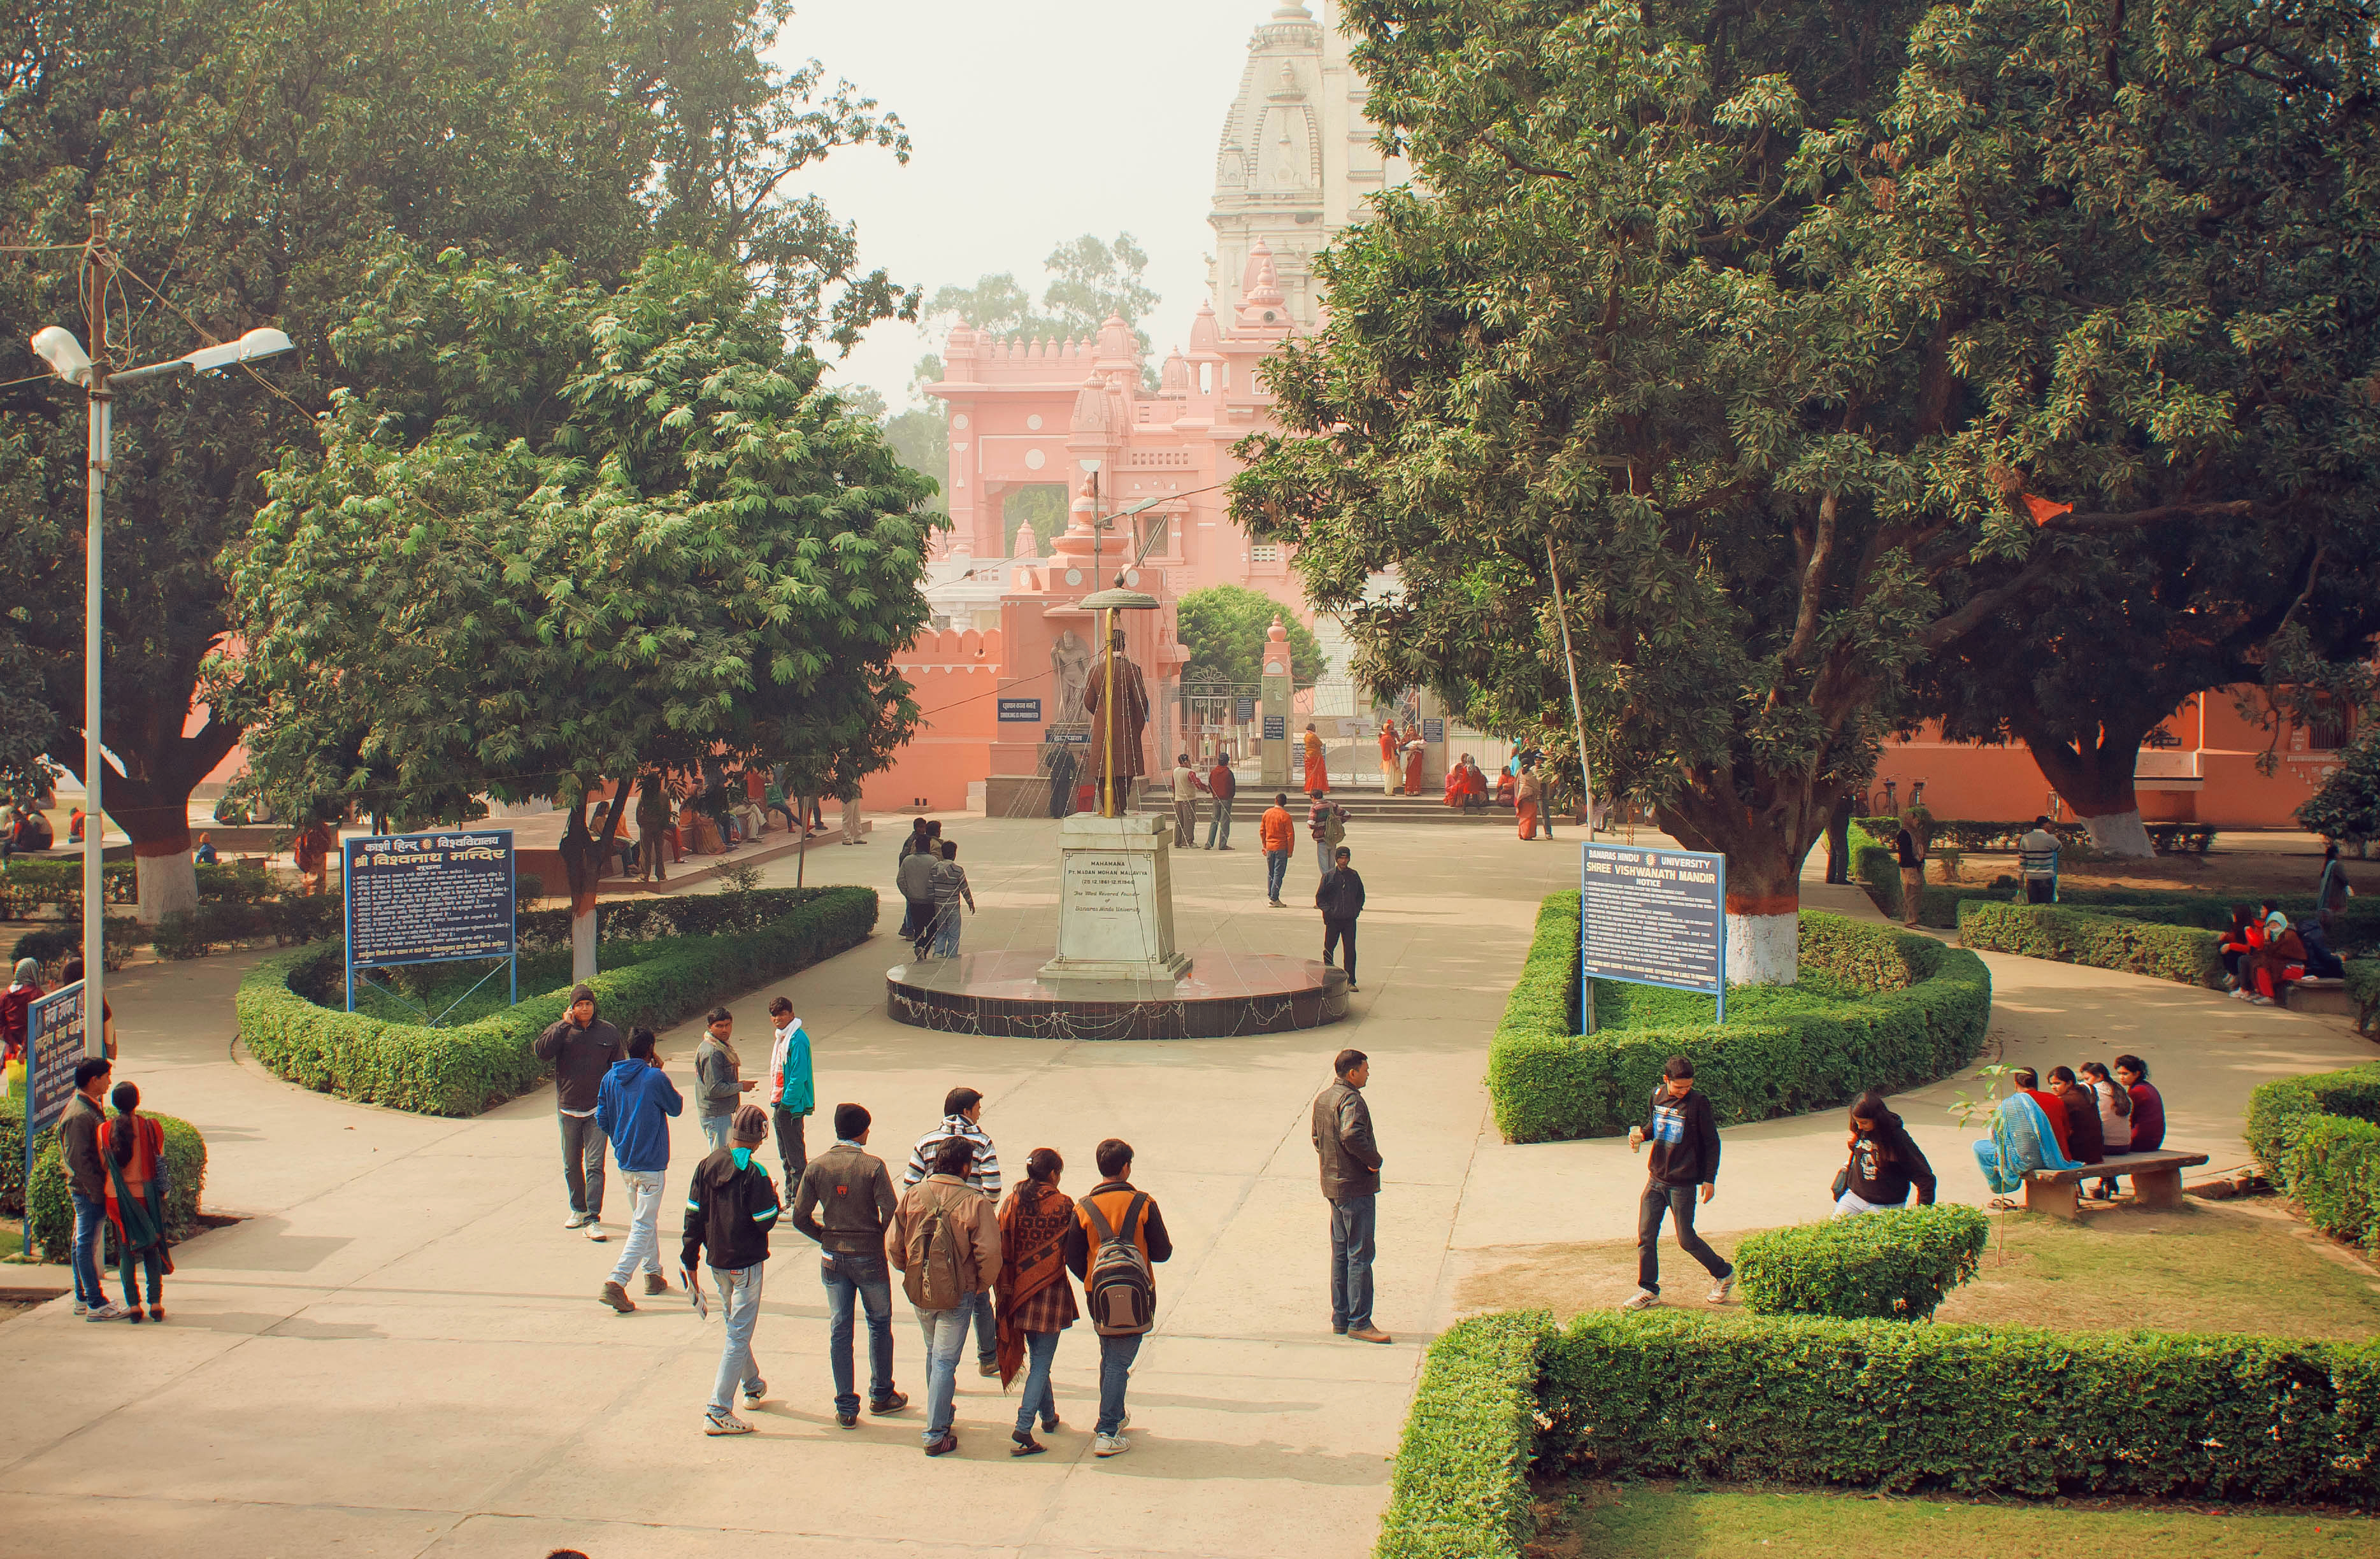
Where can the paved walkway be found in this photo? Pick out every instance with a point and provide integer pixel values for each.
(399, 1352)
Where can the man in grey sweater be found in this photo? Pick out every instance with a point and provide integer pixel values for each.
(719, 1082)
(582, 1049)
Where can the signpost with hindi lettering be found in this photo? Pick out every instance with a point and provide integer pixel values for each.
(434, 897)
(1654, 917)
(53, 1044)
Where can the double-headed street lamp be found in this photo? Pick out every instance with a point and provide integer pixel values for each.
(57, 347)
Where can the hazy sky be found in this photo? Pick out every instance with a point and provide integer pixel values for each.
(1032, 121)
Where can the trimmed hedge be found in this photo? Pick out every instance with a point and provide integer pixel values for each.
(2208, 912)
(2318, 1138)
(1898, 1263)
(2278, 1110)
(2180, 954)
(1963, 1409)
(473, 1067)
(2363, 989)
(1459, 1486)
(1876, 868)
(1924, 1020)
(52, 1210)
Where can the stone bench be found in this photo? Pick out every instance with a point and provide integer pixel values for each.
(2314, 994)
(2155, 1176)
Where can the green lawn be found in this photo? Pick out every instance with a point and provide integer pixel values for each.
(1620, 1006)
(1653, 1521)
(432, 988)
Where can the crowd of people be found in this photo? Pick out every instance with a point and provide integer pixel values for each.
(2264, 952)
(2091, 1114)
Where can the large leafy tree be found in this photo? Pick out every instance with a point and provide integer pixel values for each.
(576, 534)
(1804, 341)
(1090, 279)
(253, 157)
(1223, 628)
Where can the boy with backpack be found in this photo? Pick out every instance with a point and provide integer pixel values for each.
(944, 1241)
(730, 1208)
(1118, 1233)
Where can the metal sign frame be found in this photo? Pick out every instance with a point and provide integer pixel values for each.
(37, 1017)
(510, 957)
(1588, 973)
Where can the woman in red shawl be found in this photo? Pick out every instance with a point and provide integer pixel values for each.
(1037, 1301)
(132, 1146)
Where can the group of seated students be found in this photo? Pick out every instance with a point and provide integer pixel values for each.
(2263, 954)
(2094, 1118)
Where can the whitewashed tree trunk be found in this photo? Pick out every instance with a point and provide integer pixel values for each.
(166, 883)
(2119, 834)
(1763, 950)
(582, 944)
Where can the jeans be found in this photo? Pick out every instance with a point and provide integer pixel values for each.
(1353, 1219)
(1276, 868)
(739, 1306)
(1336, 931)
(791, 1151)
(946, 931)
(1322, 850)
(582, 1164)
(1116, 1355)
(863, 1278)
(1040, 1347)
(1660, 1197)
(715, 1128)
(1218, 827)
(945, 1336)
(644, 1247)
(90, 1216)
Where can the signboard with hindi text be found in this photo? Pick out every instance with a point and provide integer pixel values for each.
(1654, 917)
(1024, 710)
(54, 1043)
(430, 897)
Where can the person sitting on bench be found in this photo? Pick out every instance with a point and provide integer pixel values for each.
(2020, 1142)
(2148, 1114)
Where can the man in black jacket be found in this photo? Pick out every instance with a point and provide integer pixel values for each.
(582, 1049)
(730, 1208)
(1685, 1154)
(1340, 900)
(1351, 1183)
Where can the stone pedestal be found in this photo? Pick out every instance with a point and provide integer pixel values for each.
(1115, 900)
(1275, 694)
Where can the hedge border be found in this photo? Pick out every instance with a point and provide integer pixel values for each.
(1459, 1488)
(1896, 1264)
(2340, 1190)
(50, 1210)
(473, 1067)
(1550, 1083)
(2183, 954)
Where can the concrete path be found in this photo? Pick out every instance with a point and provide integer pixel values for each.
(399, 1352)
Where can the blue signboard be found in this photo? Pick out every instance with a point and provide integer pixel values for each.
(53, 1044)
(1433, 731)
(1654, 917)
(1243, 710)
(1027, 710)
(433, 898)
(1276, 727)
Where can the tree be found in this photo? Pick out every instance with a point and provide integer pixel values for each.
(1223, 628)
(1804, 341)
(580, 535)
(2346, 809)
(1090, 279)
(253, 157)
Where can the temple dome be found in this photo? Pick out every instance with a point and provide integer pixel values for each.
(1092, 411)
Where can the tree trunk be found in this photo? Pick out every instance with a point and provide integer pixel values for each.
(1765, 846)
(2096, 780)
(151, 802)
(583, 855)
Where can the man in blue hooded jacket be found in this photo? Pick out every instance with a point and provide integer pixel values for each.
(633, 1108)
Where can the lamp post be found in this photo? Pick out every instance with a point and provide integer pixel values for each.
(57, 347)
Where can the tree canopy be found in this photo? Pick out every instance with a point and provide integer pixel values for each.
(1090, 278)
(1806, 342)
(1223, 627)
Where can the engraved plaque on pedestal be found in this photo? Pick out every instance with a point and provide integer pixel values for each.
(1115, 901)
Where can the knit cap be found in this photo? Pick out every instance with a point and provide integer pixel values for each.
(751, 1127)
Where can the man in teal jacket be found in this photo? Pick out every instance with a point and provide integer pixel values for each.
(792, 1093)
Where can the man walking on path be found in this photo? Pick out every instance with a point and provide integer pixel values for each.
(846, 1203)
(719, 1082)
(945, 1240)
(582, 1047)
(950, 881)
(78, 1131)
(1222, 785)
(1685, 1154)
(1277, 832)
(1351, 1183)
(962, 1118)
(1062, 780)
(1340, 900)
(855, 831)
(730, 1208)
(2331, 894)
(914, 877)
(1328, 824)
(1186, 785)
(1909, 843)
(792, 1094)
(634, 1109)
(1118, 1235)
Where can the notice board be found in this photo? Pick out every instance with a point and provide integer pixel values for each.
(430, 897)
(1654, 917)
(53, 1044)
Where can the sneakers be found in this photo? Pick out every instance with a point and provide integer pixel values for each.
(1643, 1299)
(725, 1423)
(1110, 1444)
(1368, 1334)
(943, 1446)
(81, 1309)
(1276, 903)
(850, 1419)
(576, 1220)
(1720, 1289)
(2260, 1001)
(892, 1403)
(617, 1297)
(754, 1391)
(2242, 992)
(656, 1284)
(595, 1231)
(987, 1368)
(110, 1311)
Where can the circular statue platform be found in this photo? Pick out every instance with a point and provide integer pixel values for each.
(1002, 995)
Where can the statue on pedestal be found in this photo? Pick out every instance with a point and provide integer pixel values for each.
(1070, 665)
(1117, 724)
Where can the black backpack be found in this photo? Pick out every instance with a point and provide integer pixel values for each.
(1121, 1290)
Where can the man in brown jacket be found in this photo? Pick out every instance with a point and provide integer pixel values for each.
(944, 1241)
(1350, 1182)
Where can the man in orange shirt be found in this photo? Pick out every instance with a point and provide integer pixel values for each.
(1278, 833)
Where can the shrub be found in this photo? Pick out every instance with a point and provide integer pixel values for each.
(2346, 809)
(60, 881)
(2363, 989)
(2333, 1168)
(2278, 1110)
(1875, 866)
(472, 1067)
(1459, 1488)
(51, 1211)
(2102, 941)
(1963, 1409)
(1897, 1264)
(1925, 1015)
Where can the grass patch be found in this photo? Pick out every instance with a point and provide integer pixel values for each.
(1595, 1520)
(2209, 1267)
(433, 988)
(1618, 1004)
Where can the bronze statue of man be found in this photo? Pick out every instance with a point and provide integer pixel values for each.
(1118, 715)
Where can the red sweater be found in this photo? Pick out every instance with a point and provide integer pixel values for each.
(2055, 1109)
